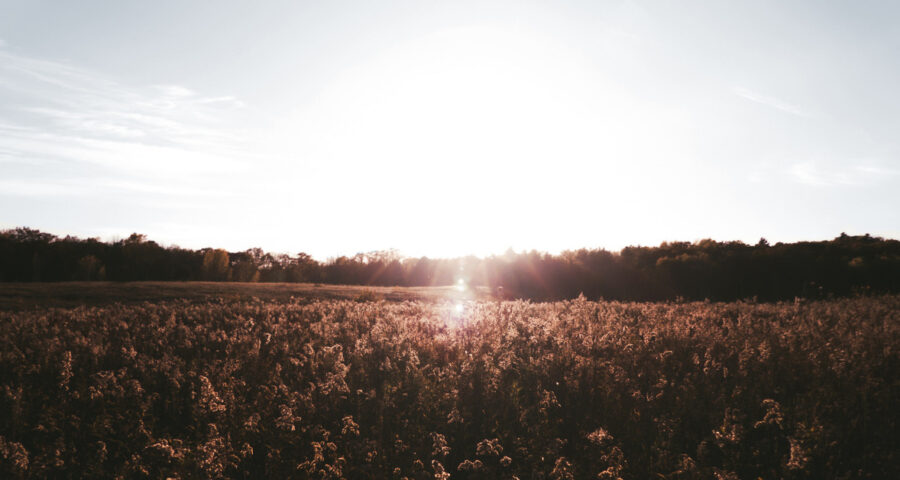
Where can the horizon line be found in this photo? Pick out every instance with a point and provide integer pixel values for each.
(111, 239)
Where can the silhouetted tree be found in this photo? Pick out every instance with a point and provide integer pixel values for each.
(704, 269)
(91, 268)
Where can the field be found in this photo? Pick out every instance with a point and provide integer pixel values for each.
(238, 381)
(20, 296)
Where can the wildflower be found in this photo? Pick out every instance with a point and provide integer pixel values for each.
(439, 445)
(65, 374)
(470, 466)
(246, 450)
(439, 472)
(454, 416)
(773, 414)
(286, 420)
(209, 399)
(599, 436)
(350, 427)
(562, 470)
(252, 423)
(13, 456)
(489, 448)
(799, 457)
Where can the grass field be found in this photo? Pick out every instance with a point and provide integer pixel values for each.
(17, 296)
(204, 380)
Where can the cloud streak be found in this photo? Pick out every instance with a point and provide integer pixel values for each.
(769, 101)
(813, 174)
(83, 123)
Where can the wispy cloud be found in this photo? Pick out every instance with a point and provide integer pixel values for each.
(66, 123)
(816, 174)
(114, 187)
(770, 101)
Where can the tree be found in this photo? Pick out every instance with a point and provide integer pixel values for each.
(216, 265)
(91, 268)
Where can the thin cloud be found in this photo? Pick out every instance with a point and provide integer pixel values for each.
(814, 174)
(877, 170)
(66, 96)
(84, 186)
(117, 156)
(770, 102)
(175, 91)
(36, 188)
(60, 120)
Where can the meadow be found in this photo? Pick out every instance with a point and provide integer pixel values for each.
(144, 382)
(27, 295)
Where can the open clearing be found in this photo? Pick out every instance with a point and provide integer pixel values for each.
(19, 296)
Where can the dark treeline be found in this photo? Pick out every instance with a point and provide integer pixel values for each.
(706, 269)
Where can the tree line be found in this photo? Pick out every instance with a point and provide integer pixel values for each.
(705, 269)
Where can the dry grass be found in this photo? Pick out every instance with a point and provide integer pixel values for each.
(26, 296)
(421, 390)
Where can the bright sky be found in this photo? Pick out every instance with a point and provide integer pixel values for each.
(449, 128)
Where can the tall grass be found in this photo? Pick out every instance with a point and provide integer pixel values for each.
(349, 389)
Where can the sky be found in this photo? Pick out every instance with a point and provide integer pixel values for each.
(449, 128)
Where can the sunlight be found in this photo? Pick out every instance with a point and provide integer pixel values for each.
(455, 314)
(490, 105)
(461, 285)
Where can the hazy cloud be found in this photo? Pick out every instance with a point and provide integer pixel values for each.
(813, 173)
(770, 101)
(52, 111)
(107, 186)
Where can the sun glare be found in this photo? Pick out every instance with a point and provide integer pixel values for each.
(455, 315)
(501, 110)
(461, 285)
